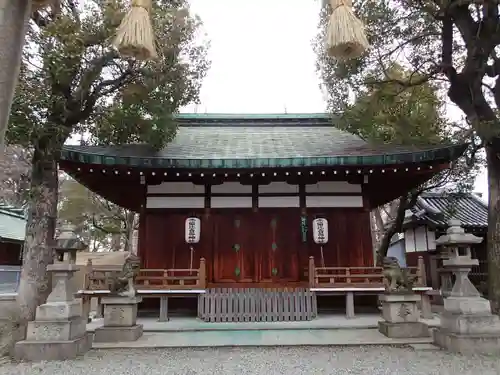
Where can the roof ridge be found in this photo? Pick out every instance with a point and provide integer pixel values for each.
(229, 115)
(428, 208)
(10, 210)
(255, 120)
(479, 200)
(470, 209)
(253, 124)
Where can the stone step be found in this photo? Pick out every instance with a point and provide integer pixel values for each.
(177, 324)
(242, 338)
(4, 360)
(424, 347)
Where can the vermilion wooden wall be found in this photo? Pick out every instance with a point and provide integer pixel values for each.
(255, 247)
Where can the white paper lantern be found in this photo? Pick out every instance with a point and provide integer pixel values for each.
(320, 231)
(192, 230)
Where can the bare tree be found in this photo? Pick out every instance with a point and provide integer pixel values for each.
(15, 169)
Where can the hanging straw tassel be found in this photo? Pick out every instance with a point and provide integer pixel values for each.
(346, 37)
(135, 35)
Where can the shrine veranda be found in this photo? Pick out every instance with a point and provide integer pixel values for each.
(263, 207)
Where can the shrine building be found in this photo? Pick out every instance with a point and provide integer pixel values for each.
(244, 192)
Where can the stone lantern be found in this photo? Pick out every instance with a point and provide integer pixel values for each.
(65, 246)
(467, 324)
(59, 331)
(68, 243)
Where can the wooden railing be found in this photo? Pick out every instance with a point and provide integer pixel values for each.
(337, 277)
(98, 278)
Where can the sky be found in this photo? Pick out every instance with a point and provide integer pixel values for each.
(262, 59)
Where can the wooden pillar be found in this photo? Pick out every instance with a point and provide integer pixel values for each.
(202, 274)
(99, 308)
(349, 305)
(421, 274)
(142, 240)
(163, 309)
(433, 266)
(312, 272)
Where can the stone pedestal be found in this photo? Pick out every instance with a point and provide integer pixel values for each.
(401, 316)
(120, 320)
(467, 324)
(59, 330)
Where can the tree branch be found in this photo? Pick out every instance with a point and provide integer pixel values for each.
(92, 74)
(85, 97)
(102, 229)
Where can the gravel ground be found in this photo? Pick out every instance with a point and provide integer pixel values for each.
(265, 361)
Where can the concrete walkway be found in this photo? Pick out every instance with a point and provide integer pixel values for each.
(325, 330)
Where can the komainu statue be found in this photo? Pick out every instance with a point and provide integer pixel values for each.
(397, 279)
(123, 282)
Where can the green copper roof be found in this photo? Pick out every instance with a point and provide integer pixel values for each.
(255, 141)
(12, 223)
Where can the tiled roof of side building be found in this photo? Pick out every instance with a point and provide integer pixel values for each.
(249, 141)
(438, 208)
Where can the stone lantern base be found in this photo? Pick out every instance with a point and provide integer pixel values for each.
(52, 350)
(401, 316)
(120, 317)
(468, 326)
(57, 333)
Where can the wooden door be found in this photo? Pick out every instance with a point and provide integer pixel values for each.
(163, 243)
(279, 247)
(233, 249)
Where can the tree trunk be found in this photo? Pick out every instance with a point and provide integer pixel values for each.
(129, 231)
(493, 167)
(116, 241)
(394, 228)
(95, 244)
(14, 16)
(379, 224)
(35, 283)
(378, 230)
(405, 202)
(374, 231)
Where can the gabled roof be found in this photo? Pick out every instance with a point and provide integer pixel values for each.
(12, 223)
(255, 141)
(437, 208)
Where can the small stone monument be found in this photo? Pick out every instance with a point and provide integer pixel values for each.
(467, 324)
(120, 308)
(399, 303)
(59, 331)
